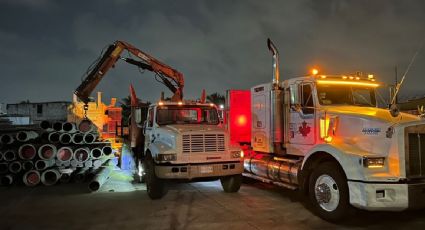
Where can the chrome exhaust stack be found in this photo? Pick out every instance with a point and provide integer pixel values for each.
(276, 104)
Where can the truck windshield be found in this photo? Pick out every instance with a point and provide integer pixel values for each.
(186, 114)
(346, 95)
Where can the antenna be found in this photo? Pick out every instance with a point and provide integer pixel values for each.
(398, 86)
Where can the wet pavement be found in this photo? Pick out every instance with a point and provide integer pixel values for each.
(123, 205)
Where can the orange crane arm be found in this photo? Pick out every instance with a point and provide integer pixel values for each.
(170, 77)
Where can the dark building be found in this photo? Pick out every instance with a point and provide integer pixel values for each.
(55, 110)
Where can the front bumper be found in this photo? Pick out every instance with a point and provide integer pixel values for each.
(191, 171)
(387, 197)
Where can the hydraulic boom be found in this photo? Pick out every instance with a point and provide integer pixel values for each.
(170, 77)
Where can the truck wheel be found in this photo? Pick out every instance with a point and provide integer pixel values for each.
(231, 183)
(154, 185)
(328, 192)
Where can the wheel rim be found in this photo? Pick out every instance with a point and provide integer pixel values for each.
(327, 193)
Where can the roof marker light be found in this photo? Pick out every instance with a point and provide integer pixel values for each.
(347, 83)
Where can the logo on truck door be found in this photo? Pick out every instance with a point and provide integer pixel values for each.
(304, 129)
(301, 128)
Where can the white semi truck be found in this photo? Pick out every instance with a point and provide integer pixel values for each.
(325, 135)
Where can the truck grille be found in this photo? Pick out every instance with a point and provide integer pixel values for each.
(193, 143)
(416, 155)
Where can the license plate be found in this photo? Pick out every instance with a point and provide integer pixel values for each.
(206, 169)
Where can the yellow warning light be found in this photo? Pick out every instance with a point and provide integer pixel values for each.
(160, 103)
(180, 103)
(344, 77)
(370, 76)
(323, 76)
(347, 83)
(372, 79)
(357, 78)
(351, 77)
(211, 104)
(314, 71)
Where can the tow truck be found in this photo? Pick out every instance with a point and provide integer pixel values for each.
(325, 135)
(176, 139)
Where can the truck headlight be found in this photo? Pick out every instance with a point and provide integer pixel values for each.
(236, 154)
(166, 157)
(373, 162)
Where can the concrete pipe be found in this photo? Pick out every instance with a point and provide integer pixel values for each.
(54, 137)
(4, 167)
(89, 138)
(96, 153)
(81, 154)
(80, 176)
(27, 152)
(107, 150)
(47, 152)
(6, 139)
(50, 177)
(65, 178)
(44, 136)
(6, 180)
(46, 125)
(57, 126)
(101, 178)
(99, 162)
(31, 178)
(69, 127)
(66, 175)
(64, 154)
(24, 136)
(41, 165)
(15, 167)
(76, 164)
(9, 155)
(62, 164)
(86, 126)
(65, 138)
(27, 165)
(77, 138)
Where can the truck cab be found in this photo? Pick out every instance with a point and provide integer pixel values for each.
(187, 141)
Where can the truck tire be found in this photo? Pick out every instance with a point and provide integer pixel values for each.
(328, 192)
(154, 185)
(232, 183)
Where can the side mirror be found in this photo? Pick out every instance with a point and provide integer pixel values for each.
(296, 108)
(138, 115)
(144, 127)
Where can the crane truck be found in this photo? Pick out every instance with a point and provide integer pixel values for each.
(176, 139)
(326, 136)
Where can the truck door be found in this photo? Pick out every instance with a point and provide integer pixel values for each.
(148, 128)
(302, 114)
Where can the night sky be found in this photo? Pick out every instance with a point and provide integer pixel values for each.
(46, 46)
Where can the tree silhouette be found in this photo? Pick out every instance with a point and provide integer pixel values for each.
(216, 98)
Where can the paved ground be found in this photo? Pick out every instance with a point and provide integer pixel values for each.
(121, 205)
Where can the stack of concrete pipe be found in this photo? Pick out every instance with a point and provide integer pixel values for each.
(55, 152)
